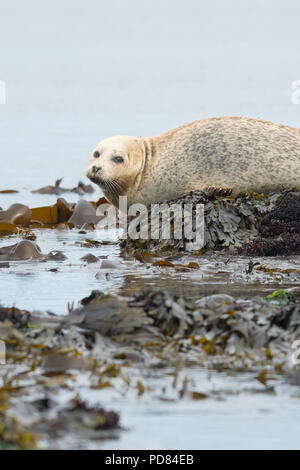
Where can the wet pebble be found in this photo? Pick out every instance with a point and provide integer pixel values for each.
(107, 264)
(84, 213)
(90, 258)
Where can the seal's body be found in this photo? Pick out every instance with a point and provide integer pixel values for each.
(236, 153)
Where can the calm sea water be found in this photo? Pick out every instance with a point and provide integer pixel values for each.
(77, 72)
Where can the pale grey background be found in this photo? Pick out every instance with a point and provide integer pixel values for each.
(78, 71)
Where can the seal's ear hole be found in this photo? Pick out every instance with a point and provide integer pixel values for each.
(118, 159)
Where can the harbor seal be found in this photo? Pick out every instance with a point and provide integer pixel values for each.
(235, 153)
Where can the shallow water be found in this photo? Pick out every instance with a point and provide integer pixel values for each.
(238, 413)
(77, 72)
(235, 417)
(34, 285)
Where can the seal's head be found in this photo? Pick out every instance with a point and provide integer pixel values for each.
(115, 165)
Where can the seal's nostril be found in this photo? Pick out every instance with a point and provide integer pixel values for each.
(95, 169)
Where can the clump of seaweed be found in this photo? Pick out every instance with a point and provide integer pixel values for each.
(285, 217)
(14, 435)
(94, 417)
(19, 318)
(230, 221)
(57, 189)
(95, 294)
(283, 245)
(172, 315)
(279, 230)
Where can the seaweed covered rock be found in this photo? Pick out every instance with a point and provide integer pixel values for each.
(253, 224)
(230, 221)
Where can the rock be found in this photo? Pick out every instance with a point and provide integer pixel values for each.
(16, 214)
(215, 301)
(90, 258)
(107, 264)
(56, 255)
(23, 250)
(230, 222)
(84, 213)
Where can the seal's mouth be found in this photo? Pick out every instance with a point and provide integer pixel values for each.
(112, 188)
(95, 179)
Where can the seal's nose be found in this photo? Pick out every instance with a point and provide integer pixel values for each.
(95, 169)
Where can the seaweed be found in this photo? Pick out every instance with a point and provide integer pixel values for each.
(279, 230)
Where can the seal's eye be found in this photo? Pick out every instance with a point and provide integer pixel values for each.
(96, 154)
(118, 159)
